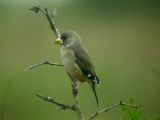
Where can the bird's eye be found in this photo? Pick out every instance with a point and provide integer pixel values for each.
(63, 37)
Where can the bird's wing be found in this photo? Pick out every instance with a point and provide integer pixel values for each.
(85, 64)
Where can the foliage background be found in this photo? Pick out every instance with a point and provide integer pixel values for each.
(122, 36)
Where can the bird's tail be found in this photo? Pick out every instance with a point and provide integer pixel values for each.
(95, 93)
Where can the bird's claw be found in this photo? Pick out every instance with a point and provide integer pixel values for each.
(74, 89)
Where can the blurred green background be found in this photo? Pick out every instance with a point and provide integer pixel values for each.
(122, 36)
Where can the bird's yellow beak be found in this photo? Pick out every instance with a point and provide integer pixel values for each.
(58, 41)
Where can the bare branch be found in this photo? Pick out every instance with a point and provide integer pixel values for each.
(49, 17)
(51, 100)
(75, 107)
(43, 63)
(111, 107)
(52, 23)
(76, 103)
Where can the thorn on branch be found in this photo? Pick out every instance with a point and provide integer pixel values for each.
(96, 113)
(54, 12)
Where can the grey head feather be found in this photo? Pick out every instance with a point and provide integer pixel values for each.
(70, 39)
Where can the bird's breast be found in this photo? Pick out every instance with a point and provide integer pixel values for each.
(68, 59)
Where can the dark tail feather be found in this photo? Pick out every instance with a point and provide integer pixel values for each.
(95, 93)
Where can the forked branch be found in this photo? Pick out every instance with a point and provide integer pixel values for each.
(75, 107)
(49, 17)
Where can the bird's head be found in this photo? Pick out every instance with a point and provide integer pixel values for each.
(69, 39)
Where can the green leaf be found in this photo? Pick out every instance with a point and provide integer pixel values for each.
(131, 113)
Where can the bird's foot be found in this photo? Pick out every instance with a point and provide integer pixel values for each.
(78, 85)
(74, 89)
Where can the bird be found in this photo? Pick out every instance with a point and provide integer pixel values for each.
(76, 60)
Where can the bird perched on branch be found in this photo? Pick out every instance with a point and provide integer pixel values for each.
(76, 60)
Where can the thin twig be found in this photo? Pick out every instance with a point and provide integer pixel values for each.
(110, 107)
(52, 23)
(49, 17)
(43, 63)
(5, 99)
(51, 100)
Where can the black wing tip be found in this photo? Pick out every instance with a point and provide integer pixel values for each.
(97, 101)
